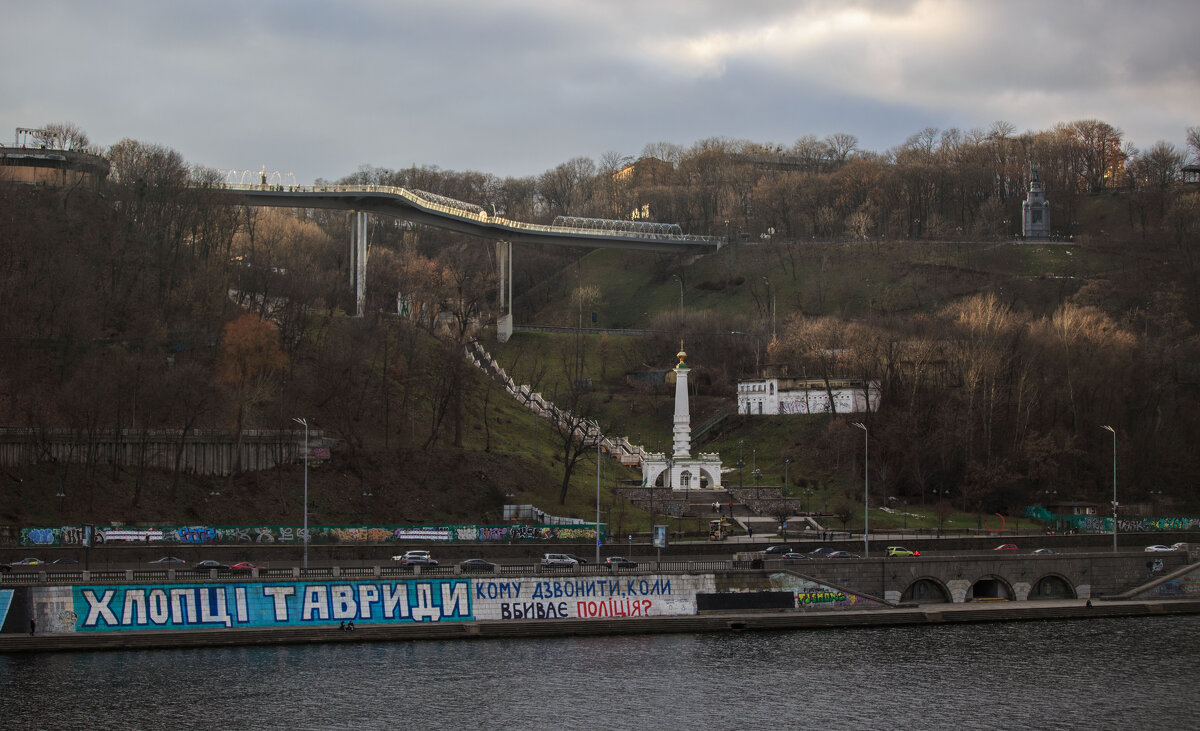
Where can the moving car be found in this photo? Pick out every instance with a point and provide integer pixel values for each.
(417, 558)
(843, 554)
(1157, 548)
(412, 555)
(578, 559)
(1006, 547)
(209, 565)
(245, 566)
(901, 551)
(168, 559)
(64, 561)
(477, 565)
(1044, 552)
(5, 567)
(29, 562)
(620, 562)
(821, 552)
(557, 560)
(793, 556)
(778, 548)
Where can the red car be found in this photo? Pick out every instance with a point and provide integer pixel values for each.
(245, 566)
(1006, 547)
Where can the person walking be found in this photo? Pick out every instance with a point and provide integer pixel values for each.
(32, 626)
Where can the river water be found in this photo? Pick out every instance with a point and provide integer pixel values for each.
(1103, 673)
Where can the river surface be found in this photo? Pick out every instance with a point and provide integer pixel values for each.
(1127, 673)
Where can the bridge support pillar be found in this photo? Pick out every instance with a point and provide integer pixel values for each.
(358, 262)
(504, 321)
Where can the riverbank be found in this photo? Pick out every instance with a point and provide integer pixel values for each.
(931, 614)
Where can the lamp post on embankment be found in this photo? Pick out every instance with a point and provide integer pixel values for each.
(305, 423)
(866, 486)
(1114, 473)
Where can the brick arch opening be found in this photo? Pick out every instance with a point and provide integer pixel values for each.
(990, 587)
(1052, 586)
(926, 591)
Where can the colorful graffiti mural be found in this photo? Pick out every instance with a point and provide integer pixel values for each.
(107, 608)
(71, 535)
(1102, 524)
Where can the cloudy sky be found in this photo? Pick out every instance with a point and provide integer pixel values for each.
(515, 87)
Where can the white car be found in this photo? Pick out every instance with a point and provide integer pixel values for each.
(558, 560)
(1157, 548)
(419, 555)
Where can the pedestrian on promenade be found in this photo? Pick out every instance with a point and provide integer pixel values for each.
(350, 626)
(343, 626)
(32, 626)
(750, 532)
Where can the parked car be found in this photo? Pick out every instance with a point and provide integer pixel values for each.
(1006, 547)
(821, 552)
(793, 556)
(620, 562)
(901, 551)
(411, 554)
(168, 559)
(245, 566)
(210, 565)
(777, 548)
(557, 560)
(477, 565)
(1157, 548)
(1044, 552)
(64, 561)
(843, 554)
(29, 562)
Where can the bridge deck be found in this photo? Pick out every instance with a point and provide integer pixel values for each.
(406, 204)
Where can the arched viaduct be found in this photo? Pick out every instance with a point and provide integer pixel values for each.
(963, 578)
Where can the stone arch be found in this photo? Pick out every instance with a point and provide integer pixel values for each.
(990, 587)
(1053, 586)
(926, 590)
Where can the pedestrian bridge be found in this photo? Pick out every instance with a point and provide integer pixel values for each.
(467, 218)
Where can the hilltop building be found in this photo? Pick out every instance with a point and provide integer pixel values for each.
(781, 395)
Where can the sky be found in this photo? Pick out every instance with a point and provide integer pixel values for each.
(316, 90)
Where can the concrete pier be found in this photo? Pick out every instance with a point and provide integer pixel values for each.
(934, 614)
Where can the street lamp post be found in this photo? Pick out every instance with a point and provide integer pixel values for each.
(305, 423)
(596, 426)
(754, 470)
(866, 486)
(676, 276)
(786, 462)
(741, 462)
(1114, 500)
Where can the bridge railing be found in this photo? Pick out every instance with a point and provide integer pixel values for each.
(467, 214)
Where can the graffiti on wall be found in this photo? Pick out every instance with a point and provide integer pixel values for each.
(282, 604)
(191, 534)
(578, 598)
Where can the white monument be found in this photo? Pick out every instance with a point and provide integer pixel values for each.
(1035, 210)
(681, 471)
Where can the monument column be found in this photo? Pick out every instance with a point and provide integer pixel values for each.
(683, 419)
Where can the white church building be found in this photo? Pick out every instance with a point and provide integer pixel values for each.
(773, 396)
(682, 471)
